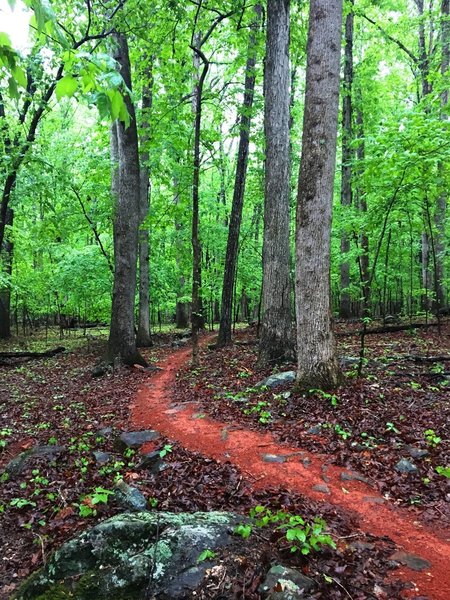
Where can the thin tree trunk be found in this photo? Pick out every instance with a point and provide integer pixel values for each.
(317, 363)
(5, 294)
(441, 206)
(126, 189)
(239, 188)
(197, 317)
(181, 307)
(143, 337)
(276, 342)
(346, 169)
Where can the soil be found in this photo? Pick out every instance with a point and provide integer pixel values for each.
(220, 458)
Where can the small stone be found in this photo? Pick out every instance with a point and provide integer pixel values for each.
(277, 379)
(406, 466)
(135, 439)
(306, 462)
(104, 432)
(224, 434)
(373, 500)
(413, 562)
(315, 430)
(152, 461)
(321, 487)
(362, 545)
(353, 476)
(273, 458)
(417, 452)
(280, 574)
(101, 458)
(129, 497)
(348, 361)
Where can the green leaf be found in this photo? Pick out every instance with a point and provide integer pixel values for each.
(5, 40)
(12, 88)
(66, 86)
(20, 76)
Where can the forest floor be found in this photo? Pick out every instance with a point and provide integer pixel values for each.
(229, 445)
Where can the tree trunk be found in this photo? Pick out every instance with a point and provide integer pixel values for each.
(5, 294)
(126, 189)
(197, 317)
(143, 337)
(441, 206)
(276, 335)
(346, 169)
(239, 188)
(362, 207)
(317, 363)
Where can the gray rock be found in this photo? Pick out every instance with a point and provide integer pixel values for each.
(18, 463)
(348, 361)
(417, 452)
(314, 430)
(292, 582)
(273, 458)
(132, 556)
(101, 458)
(135, 439)
(415, 563)
(321, 487)
(277, 379)
(406, 466)
(353, 476)
(129, 497)
(105, 432)
(152, 461)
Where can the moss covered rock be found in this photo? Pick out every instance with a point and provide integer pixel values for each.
(131, 555)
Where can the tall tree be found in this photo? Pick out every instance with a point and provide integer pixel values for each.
(347, 155)
(143, 337)
(275, 336)
(122, 340)
(226, 315)
(441, 206)
(317, 363)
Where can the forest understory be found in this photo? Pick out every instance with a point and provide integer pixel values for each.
(335, 455)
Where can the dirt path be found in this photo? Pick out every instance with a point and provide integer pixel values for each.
(267, 463)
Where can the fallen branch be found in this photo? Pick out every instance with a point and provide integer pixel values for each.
(388, 329)
(46, 354)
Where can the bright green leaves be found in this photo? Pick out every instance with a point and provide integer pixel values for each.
(9, 67)
(67, 86)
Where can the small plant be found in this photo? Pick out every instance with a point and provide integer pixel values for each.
(260, 409)
(444, 471)
(165, 450)
(153, 502)
(243, 530)
(343, 433)
(391, 427)
(331, 397)
(21, 503)
(99, 496)
(437, 368)
(415, 386)
(206, 555)
(432, 438)
(301, 536)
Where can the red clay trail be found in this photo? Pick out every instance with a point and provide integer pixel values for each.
(245, 449)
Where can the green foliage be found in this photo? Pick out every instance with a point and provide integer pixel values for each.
(99, 496)
(206, 555)
(432, 438)
(444, 471)
(301, 536)
(165, 450)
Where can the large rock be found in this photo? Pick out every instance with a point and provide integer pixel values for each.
(133, 556)
(19, 462)
(134, 439)
(277, 379)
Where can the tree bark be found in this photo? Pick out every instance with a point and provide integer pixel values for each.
(441, 206)
(5, 294)
(126, 194)
(143, 337)
(275, 334)
(226, 315)
(346, 168)
(317, 363)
